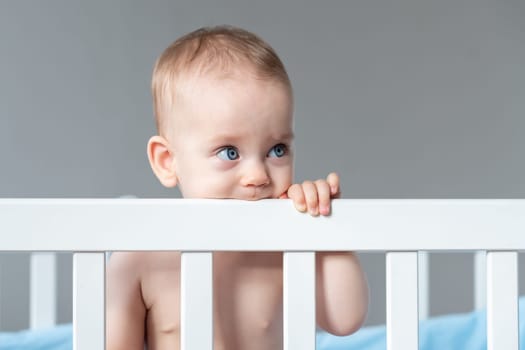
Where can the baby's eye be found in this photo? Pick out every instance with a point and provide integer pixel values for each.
(228, 153)
(277, 151)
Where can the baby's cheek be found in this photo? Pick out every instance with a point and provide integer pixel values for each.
(281, 185)
(197, 187)
(216, 186)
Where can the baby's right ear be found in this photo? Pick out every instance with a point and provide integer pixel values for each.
(161, 161)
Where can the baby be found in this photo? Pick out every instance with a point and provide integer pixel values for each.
(223, 104)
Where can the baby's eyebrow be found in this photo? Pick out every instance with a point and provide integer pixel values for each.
(233, 138)
(225, 138)
(286, 137)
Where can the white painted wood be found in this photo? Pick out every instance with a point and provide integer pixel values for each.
(423, 288)
(480, 280)
(1, 308)
(196, 301)
(401, 301)
(42, 305)
(299, 301)
(89, 279)
(502, 300)
(355, 224)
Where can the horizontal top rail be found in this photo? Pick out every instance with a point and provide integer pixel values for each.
(266, 225)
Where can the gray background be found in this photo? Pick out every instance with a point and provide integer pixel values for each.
(405, 99)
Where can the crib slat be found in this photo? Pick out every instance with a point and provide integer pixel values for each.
(196, 301)
(1, 308)
(480, 280)
(422, 281)
(299, 301)
(502, 300)
(89, 301)
(43, 286)
(402, 301)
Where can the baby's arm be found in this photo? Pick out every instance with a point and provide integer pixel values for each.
(125, 310)
(342, 292)
(342, 289)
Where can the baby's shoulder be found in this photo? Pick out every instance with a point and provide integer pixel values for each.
(134, 266)
(143, 261)
(126, 260)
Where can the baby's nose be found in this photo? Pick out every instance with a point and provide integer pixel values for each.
(255, 174)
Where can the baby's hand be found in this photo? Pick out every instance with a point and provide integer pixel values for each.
(314, 196)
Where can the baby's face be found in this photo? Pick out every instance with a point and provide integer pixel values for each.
(232, 138)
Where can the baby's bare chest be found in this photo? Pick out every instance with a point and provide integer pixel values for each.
(247, 301)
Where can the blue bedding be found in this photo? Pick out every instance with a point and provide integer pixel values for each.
(452, 332)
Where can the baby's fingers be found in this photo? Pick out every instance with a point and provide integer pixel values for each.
(311, 197)
(333, 181)
(323, 191)
(296, 194)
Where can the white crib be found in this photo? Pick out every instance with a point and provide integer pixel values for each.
(404, 229)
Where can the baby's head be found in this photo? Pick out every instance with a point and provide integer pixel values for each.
(223, 106)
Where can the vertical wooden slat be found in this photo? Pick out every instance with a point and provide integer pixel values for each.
(42, 290)
(1, 308)
(299, 300)
(196, 301)
(480, 280)
(502, 300)
(401, 301)
(423, 294)
(89, 301)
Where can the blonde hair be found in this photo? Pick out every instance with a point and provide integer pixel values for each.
(220, 49)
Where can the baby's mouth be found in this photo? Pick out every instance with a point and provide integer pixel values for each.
(254, 194)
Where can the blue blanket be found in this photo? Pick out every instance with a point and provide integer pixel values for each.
(452, 332)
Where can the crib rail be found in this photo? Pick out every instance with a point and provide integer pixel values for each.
(401, 228)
